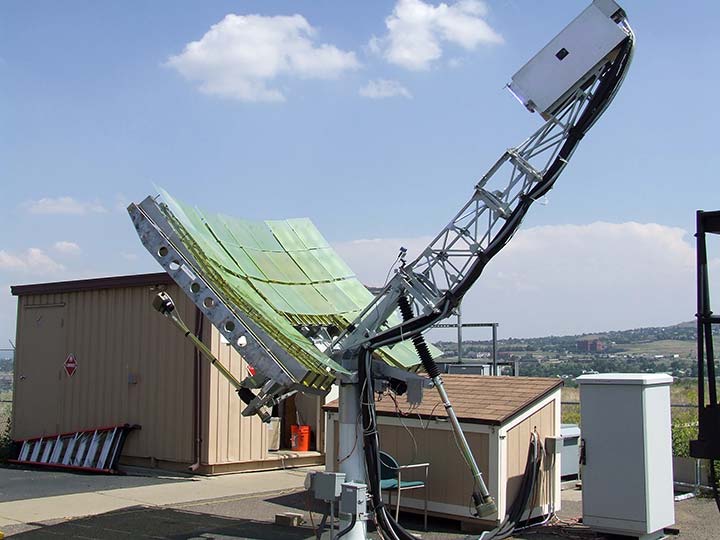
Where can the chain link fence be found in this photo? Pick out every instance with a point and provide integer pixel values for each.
(6, 385)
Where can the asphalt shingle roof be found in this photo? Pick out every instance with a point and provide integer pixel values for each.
(476, 399)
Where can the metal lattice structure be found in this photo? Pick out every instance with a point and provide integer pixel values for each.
(446, 269)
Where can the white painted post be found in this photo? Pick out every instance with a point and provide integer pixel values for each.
(350, 448)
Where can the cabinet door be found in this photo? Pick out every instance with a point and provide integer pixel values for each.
(613, 475)
(39, 366)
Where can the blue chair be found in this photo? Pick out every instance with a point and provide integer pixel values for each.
(391, 480)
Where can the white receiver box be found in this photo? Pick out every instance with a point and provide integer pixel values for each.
(570, 59)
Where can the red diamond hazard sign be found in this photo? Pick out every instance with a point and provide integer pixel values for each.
(70, 365)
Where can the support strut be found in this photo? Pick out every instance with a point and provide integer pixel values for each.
(483, 501)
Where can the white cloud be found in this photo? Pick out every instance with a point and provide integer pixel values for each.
(384, 88)
(417, 31)
(567, 279)
(32, 261)
(241, 56)
(121, 202)
(66, 248)
(64, 205)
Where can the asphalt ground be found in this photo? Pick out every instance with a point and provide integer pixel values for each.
(252, 517)
(19, 484)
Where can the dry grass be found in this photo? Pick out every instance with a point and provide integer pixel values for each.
(5, 410)
(682, 392)
(665, 347)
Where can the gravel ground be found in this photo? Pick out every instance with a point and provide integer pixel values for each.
(251, 517)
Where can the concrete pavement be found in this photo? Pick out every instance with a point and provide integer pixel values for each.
(74, 495)
(237, 506)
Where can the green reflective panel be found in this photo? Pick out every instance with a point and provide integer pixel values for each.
(285, 234)
(240, 287)
(280, 329)
(239, 229)
(306, 299)
(335, 296)
(286, 267)
(356, 291)
(226, 243)
(241, 293)
(221, 258)
(277, 266)
(245, 263)
(264, 237)
(266, 265)
(332, 262)
(436, 353)
(180, 212)
(310, 266)
(272, 296)
(221, 233)
(403, 353)
(308, 233)
(280, 274)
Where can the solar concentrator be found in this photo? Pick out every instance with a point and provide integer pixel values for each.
(276, 290)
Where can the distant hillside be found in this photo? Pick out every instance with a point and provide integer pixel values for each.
(684, 331)
(670, 349)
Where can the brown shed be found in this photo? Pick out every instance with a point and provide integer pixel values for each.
(497, 414)
(134, 366)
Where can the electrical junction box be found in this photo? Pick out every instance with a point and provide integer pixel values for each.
(569, 60)
(324, 485)
(353, 499)
(627, 453)
(570, 462)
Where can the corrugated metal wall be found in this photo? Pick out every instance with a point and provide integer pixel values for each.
(133, 366)
(231, 436)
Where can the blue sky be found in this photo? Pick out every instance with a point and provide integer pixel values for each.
(95, 112)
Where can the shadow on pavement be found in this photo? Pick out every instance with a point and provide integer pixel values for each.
(164, 523)
(299, 502)
(20, 483)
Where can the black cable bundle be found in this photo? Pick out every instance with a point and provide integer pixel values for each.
(522, 501)
(385, 521)
(610, 81)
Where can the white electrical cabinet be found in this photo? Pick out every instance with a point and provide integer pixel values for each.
(567, 62)
(627, 478)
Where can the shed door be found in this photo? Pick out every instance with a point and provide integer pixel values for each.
(41, 354)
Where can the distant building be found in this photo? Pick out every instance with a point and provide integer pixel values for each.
(590, 344)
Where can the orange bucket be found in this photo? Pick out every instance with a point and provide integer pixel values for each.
(299, 438)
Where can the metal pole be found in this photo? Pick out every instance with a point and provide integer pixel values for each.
(459, 329)
(494, 349)
(484, 503)
(351, 449)
(701, 262)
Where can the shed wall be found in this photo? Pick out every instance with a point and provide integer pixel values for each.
(449, 482)
(518, 441)
(133, 367)
(231, 437)
(234, 438)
